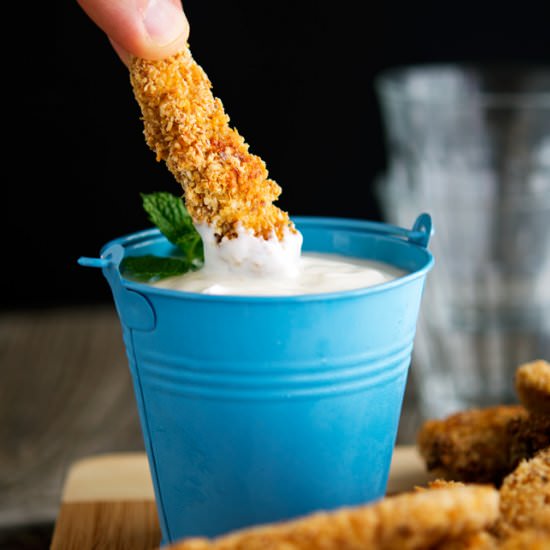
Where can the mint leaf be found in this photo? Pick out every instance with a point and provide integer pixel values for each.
(169, 214)
(153, 268)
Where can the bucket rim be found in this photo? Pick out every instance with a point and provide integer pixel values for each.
(145, 236)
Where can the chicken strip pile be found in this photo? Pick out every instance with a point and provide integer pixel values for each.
(533, 386)
(482, 445)
(508, 446)
(410, 521)
(224, 185)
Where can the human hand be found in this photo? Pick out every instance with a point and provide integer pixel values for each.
(152, 29)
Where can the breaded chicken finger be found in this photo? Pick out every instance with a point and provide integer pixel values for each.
(533, 386)
(225, 186)
(417, 520)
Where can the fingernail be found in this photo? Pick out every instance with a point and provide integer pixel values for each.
(164, 21)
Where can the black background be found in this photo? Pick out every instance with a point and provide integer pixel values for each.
(295, 77)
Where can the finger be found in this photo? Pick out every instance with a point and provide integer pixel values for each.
(152, 29)
(124, 55)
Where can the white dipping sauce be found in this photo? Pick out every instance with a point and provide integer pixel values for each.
(317, 273)
(251, 255)
(251, 266)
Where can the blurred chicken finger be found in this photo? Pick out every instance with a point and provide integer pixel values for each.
(471, 446)
(410, 521)
(525, 496)
(529, 539)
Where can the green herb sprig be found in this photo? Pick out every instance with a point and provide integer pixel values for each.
(169, 214)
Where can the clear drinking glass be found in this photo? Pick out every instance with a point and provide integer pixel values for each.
(471, 146)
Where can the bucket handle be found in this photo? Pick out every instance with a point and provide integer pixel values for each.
(421, 231)
(419, 234)
(134, 309)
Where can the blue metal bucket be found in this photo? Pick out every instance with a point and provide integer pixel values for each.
(257, 409)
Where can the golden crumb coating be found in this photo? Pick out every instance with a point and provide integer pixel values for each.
(481, 540)
(444, 484)
(529, 539)
(224, 185)
(533, 386)
(438, 484)
(525, 496)
(415, 520)
(471, 446)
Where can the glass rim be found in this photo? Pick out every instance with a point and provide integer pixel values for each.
(389, 83)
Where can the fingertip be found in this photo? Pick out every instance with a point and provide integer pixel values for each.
(167, 51)
(166, 27)
(148, 50)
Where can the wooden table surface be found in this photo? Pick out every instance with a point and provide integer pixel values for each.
(108, 501)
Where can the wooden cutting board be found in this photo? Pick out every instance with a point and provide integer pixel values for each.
(108, 501)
